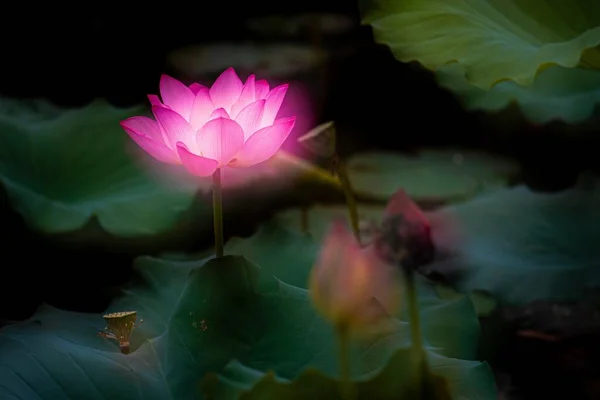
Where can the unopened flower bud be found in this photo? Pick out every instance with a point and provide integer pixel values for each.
(349, 287)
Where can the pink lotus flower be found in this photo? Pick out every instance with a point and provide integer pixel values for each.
(229, 124)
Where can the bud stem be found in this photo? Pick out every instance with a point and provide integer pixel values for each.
(416, 336)
(218, 213)
(347, 388)
(349, 193)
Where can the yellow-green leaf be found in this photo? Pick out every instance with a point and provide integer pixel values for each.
(494, 40)
(558, 93)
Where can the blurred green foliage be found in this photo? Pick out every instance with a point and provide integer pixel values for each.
(475, 46)
(222, 315)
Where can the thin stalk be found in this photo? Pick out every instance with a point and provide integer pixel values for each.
(347, 388)
(218, 212)
(311, 171)
(350, 200)
(416, 334)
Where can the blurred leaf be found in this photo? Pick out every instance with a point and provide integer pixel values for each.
(281, 61)
(300, 25)
(447, 176)
(568, 94)
(57, 355)
(522, 246)
(484, 303)
(61, 168)
(494, 40)
(272, 248)
(289, 256)
(320, 217)
(198, 317)
(28, 110)
(238, 381)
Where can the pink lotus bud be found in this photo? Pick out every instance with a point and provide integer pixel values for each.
(349, 286)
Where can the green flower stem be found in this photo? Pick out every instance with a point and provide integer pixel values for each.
(218, 212)
(347, 388)
(416, 334)
(350, 200)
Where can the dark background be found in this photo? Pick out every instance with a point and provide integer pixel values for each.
(73, 55)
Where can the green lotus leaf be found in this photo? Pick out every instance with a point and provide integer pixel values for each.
(494, 40)
(63, 167)
(318, 218)
(57, 354)
(523, 246)
(558, 93)
(198, 316)
(240, 382)
(433, 175)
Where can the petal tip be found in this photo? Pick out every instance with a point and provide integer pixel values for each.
(229, 72)
(338, 224)
(125, 124)
(153, 99)
(221, 119)
(286, 121)
(339, 231)
(283, 87)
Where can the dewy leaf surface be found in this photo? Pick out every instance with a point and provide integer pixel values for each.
(199, 316)
(494, 40)
(62, 167)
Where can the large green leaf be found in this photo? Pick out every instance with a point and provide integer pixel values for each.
(289, 256)
(523, 246)
(494, 40)
(57, 354)
(62, 167)
(390, 382)
(440, 175)
(286, 254)
(568, 94)
(199, 316)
